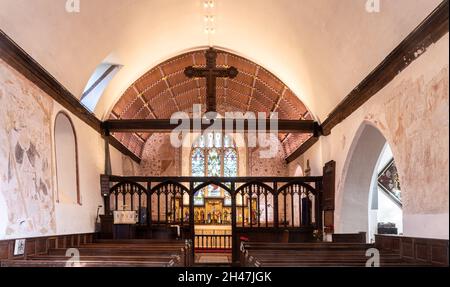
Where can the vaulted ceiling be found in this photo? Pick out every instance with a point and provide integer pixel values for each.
(320, 49)
(165, 90)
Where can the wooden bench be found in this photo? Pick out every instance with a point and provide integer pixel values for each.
(185, 244)
(258, 254)
(86, 263)
(111, 253)
(247, 247)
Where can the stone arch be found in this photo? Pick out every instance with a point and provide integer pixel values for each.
(359, 169)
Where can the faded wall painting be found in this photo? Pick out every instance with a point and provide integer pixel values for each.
(25, 156)
(159, 157)
(274, 166)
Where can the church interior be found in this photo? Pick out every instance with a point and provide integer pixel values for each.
(178, 133)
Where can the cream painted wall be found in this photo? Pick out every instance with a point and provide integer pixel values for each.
(314, 155)
(74, 218)
(65, 160)
(412, 114)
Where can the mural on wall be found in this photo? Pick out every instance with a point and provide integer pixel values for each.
(128, 166)
(275, 166)
(25, 155)
(159, 157)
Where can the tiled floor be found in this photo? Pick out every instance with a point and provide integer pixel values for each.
(213, 258)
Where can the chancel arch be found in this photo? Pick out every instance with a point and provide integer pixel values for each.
(164, 90)
(66, 151)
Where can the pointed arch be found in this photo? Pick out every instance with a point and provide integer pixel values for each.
(359, 179)
(211, 182)
(66, 151)
(255, 183)
(167, 183)
(129, 186)
(298, 183)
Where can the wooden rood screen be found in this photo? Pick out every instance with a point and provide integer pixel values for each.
(261, 208)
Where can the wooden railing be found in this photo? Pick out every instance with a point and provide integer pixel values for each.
(257, 202)
(262, 208)
(212, 241)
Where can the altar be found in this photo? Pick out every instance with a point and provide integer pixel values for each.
(212, 206)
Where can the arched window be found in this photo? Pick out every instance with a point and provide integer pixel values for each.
(97, 84)
(66, 160)
(213, 154)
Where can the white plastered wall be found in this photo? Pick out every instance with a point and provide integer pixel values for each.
(412, 114)
(74, 218)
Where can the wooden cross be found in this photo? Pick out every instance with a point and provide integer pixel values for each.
(211, 73)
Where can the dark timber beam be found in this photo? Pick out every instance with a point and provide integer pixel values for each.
(19, 60)
(212, 179)
(434, 27)
(164, 125)
(302, 149)
(123, 149)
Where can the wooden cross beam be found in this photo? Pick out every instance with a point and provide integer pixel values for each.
(211, 73)
(164, 126)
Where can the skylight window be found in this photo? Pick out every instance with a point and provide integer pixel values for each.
(97, 84)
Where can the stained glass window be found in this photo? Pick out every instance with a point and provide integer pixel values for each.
(214, 162)
(214, 154)
(198, 162)
(230, 163)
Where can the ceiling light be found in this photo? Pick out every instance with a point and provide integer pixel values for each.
(210, 30)
(208, 4)
(209, 18)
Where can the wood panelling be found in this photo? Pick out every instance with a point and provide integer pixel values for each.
(329, 185)
(39, 245)
(434, 27)
(4, 249)
(425, 250)
(349, 237)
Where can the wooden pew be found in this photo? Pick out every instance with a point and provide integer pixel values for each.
(186, 244)
(86, 263)
(254, 254)
(111, 253)
(247, 247)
